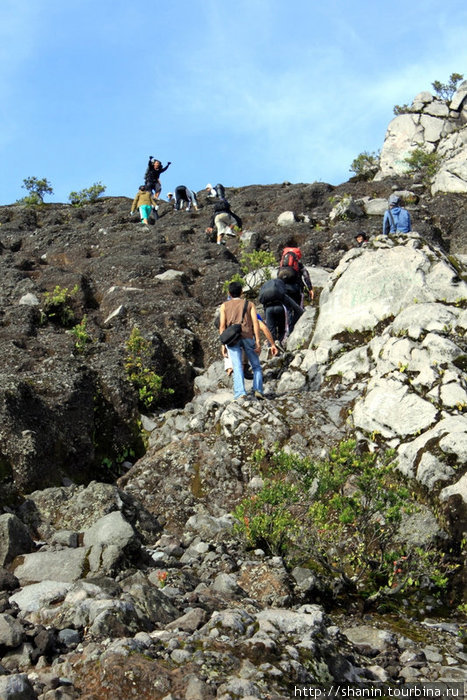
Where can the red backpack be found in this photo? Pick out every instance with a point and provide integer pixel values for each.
(289, 269)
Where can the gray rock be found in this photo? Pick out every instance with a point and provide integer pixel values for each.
(11, 631)
(39, 595)
(303, 330)
(16, 687)
(64, 565)
(14, 538)
(29, 299)
(372, 639)
(389, 407)
(107, 540)
(286, 218)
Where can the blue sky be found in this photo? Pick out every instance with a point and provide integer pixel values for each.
(234, 91)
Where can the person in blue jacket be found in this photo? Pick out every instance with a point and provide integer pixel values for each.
(396, 218)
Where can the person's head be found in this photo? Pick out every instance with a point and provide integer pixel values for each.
(169, 195)
(157, 164)
(143, 188)
(361, 237)
(235, 289)
(394, 200)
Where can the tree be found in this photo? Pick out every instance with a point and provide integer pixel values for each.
(37, 188)
(446, 90)
(86, 196)
(365, 165)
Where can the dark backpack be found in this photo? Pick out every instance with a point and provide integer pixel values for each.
(272, 292)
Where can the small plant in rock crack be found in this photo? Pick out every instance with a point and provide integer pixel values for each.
(137, 365)
(57, 305)
(82, 336)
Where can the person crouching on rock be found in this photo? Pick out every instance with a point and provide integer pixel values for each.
(224, 220)
(396, 219)
(144, 201)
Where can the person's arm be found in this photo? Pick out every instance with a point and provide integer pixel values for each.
(162, 170)
(307, 282)
(222, 327)
(222, 319)
(237, 219)
(409, 221)
(264, 329)
(289, 302)
(134, 206)
(254, 318)
(386, 224)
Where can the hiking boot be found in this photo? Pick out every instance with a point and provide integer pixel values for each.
(258, 395)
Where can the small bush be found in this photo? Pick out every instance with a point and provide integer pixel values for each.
(341, 518)
(401, 109)
(37, 189)
(82, 337)
(365, 165)
(446, 90)
(255, 263)
(419, 161)
(86, 196)
(144, 379)
(57, 305)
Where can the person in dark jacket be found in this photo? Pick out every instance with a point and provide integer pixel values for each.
(396, 218)
(184, 195)
(153, 172)
(296, 282)
(224, 220)
(276, 304)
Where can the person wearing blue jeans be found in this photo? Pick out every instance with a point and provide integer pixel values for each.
(235, 311)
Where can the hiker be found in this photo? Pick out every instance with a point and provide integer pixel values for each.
(240, 311)
(217, 191)
(362, 239)
(296, 278)
(396, 218)
(144, 201)
(276, 302)
(153, 172)
(224, 220)
(183, 194)
(273, 349)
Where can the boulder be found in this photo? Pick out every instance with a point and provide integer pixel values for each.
(14, 538)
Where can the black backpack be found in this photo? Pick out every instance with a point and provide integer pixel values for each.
(272, 292)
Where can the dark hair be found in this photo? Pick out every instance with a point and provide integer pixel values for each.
(235, 289)
(143, 187)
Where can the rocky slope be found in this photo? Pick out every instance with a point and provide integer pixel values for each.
(122, 572)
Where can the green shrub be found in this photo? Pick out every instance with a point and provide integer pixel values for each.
(419, 161)
(37, 190)
(144, 379)
(57, 305)
(401, 109)
(86, 196)
(365, 165)
(446, 90)
(82, 337)
(339, 516)
(255, 263)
